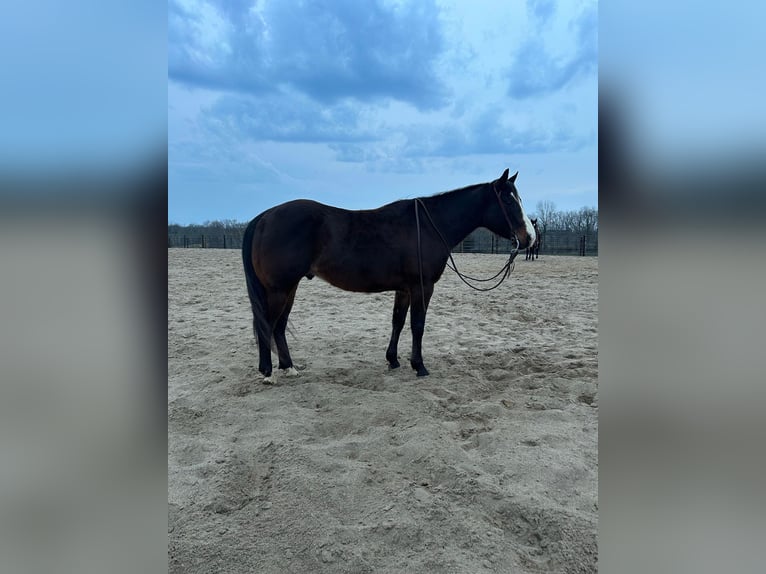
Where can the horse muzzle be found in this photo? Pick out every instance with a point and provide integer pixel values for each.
(525, 238)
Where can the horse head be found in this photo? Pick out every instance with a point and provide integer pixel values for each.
(505, 213)
(536, 227)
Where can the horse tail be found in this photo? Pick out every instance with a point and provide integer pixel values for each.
(255, 289)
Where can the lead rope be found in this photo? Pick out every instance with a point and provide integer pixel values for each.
(505, 270)
(420, 256)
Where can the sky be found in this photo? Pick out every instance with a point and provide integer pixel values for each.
(689, 78)
(357, 104)
(84, 85)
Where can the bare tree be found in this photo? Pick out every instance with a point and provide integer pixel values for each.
(233, 224)
(587, 220)
(546, 211)
(569, 220)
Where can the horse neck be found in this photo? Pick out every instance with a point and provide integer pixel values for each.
(457, 213)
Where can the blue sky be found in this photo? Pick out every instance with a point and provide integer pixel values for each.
(83, 85)
(357, 104)
(690, 81)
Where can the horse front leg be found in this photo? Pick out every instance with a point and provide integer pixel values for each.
(401, 305)
(419, 305)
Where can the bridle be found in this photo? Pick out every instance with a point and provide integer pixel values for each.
(505, 270)
(505, 214)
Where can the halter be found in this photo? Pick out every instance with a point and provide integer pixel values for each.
(505, 270)
(505, 213)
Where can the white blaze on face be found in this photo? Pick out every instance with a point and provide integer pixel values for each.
(528, 224)
(530, 229)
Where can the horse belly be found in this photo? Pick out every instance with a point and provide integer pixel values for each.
(362, 253)
(359, 274)
(357, 282)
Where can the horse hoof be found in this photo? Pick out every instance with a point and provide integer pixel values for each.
(393, 365)
(422, 372)
(270, 380)
(290, 372)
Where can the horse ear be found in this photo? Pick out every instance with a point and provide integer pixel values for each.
(513, 178)
(504, 177)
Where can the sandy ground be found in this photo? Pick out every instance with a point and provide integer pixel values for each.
(490, 464)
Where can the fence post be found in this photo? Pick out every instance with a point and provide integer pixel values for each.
(224, 242)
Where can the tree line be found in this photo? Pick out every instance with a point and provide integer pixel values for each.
(583, 221)
(229, 232)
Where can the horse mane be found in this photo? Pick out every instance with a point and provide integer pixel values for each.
(438, 194)
(454, 191)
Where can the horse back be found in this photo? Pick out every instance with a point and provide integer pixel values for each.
(368, 250)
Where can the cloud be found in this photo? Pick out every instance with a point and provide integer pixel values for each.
(286, 117)
(383, 139)
(534, 71)
(541, 10)
(356, 153)
(214, 47)
(404, 149)
(489, 134)
(326, 49)
(325, 73)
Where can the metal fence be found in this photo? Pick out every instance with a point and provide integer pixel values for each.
(554, 242)
(206, 240)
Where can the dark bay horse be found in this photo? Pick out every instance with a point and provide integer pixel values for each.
(368, 251)
(533, 251)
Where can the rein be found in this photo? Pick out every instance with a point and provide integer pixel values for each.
(505, 270)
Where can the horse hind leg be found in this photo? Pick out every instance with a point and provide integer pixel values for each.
(263, 337)
(267, 332)
(401, 305)
(280, 338)
(259, 296)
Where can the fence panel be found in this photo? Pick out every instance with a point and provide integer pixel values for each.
(227, 240)
(554, 242)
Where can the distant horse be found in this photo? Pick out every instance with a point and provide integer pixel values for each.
(533, 251)
(401, 247)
